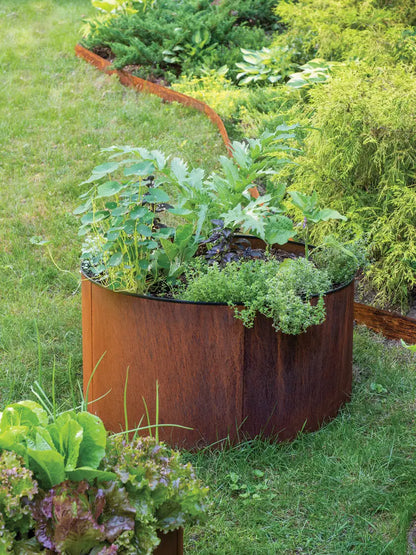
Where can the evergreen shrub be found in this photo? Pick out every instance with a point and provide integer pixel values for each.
(171, 37)
(344, 29)
(361, 159)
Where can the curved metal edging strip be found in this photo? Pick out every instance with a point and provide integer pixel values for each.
(163, 92)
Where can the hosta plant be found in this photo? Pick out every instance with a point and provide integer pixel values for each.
(65, 487)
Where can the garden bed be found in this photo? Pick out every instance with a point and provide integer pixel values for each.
(224, 381)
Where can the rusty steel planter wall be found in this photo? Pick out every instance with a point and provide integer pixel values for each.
(170, 543)
(214, 375)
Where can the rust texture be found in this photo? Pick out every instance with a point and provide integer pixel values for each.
(87, 348)
(216, 376)
(393, 326)
(163, 92)
(294, 382)
(170, 543)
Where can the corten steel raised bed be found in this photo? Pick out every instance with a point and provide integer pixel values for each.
(214, 375)
(171, 543)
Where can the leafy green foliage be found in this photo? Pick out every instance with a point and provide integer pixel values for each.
(70, 446)
(315, 71)
(177, 252)
(128, 224)
(281, 291)
(76, 518)
(245, 111)
(361, 161)
(268, 65)
(140, 488)
(112, 6)
(257, 488)
(163, 491)
(339, 30)
(17, 488)
(129, 246)
(181, 37)
(340, 261)
(312, 213)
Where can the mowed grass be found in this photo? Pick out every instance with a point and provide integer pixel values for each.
(56, 113)
(349, 488)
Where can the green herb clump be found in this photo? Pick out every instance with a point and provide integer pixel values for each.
(281, 291)
(341, 262)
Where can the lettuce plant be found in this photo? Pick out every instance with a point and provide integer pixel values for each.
(17, 488)
(164, 492)
(76, 517)
(65, 487)
(69, 447)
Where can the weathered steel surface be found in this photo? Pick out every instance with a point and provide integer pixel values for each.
(171, 543)
(393, 326)
(195, 352)
(214, 375)
(87, 346)
(298, 381)
(168, 95)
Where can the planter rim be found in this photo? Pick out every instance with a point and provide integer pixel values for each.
(181, 301)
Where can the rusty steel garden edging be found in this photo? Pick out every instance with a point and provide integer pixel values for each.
(165, 93)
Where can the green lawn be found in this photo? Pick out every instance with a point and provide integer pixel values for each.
(56, 113)
(349, 488)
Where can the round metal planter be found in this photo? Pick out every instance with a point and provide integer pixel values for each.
(216, 376)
